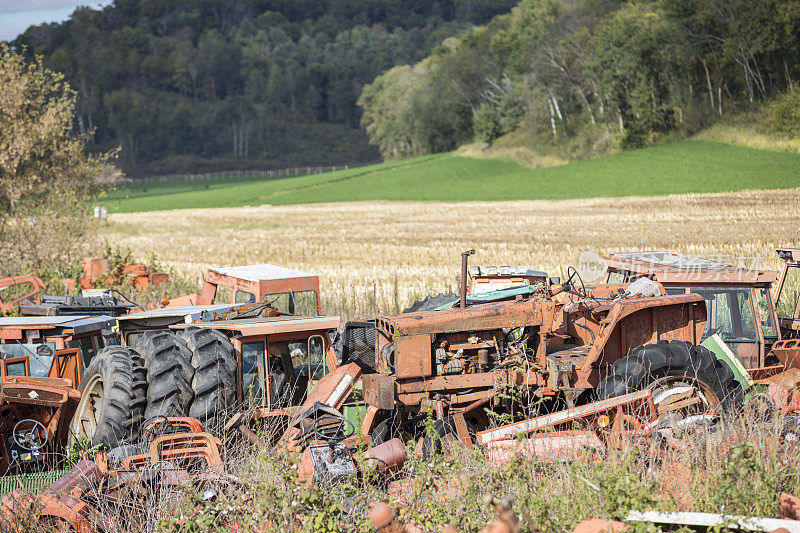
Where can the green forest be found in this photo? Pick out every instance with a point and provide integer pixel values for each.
(201, 85)
(577, 78)
(224, 84)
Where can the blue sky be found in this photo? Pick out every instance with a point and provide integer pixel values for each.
(17, 15)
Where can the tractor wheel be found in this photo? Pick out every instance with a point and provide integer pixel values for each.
(214, 381)
(385, 429)
(115, 456)
(429, 303)
(169, 374)
(685, 380)
(113, 398)
(443, 429)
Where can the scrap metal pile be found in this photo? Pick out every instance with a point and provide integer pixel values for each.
(105, 411)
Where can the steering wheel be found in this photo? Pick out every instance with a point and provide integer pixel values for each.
(333, 435)
(30, 439)
(155, 426)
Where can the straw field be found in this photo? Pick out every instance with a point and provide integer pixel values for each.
(378, 257)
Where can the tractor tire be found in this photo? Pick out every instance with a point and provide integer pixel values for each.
(169, 374)
(442, 428)
(113, 398)
(214, 381)
(115, 456)
(650, 364)
(385, 428)
(429, 303)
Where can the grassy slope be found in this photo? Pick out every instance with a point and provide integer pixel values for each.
(695, 166)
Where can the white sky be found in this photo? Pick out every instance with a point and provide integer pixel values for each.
(17, 15)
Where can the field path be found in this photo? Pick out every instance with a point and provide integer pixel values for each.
(380, 256)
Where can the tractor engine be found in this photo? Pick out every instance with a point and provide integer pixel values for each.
(452, 342)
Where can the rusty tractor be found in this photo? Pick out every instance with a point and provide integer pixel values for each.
(34, 422)
(210, 362)
(561, 345)
(285, 289)
(115, 489)
(740, 303)
(20, 289)
(39, 346)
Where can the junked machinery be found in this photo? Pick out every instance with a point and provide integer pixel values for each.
(564, 344)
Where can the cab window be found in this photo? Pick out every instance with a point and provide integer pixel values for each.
(616, 277)
(84, 344)
(316, 357)
(244, 297)
(730, 315)
(40, 357)
(224, 295)
(765, 312)
(253, 374)
(303, 303)
(790, 291)
(293, 365)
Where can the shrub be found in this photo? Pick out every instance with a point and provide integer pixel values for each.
(783, 115)
(486, 123)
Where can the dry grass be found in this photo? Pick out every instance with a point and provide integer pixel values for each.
(379, 257)
(521, 154)
(743, 135)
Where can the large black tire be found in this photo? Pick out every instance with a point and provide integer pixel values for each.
(113, 396)
(650, 362)
(169, 373)
(115, 456)
(214, 381)
(432, 444)
(429, 303)
(385, 428)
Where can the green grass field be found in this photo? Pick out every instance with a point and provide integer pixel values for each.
(685, 167)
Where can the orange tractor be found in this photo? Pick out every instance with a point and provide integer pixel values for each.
(745, 307)
(556, 345)
(117, 489)
(285, 289)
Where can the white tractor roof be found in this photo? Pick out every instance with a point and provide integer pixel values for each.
(262, 272)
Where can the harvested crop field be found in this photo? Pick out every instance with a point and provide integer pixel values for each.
(377, 257)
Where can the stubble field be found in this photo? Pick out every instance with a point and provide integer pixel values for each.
(378, 257)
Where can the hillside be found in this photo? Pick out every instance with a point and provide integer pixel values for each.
(581, 78)
(192, 85)
(692, 166)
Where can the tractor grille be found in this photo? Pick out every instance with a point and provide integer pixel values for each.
(35, 482)
(359, 344)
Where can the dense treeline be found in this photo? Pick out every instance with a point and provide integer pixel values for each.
(239, 82)
(589, 76)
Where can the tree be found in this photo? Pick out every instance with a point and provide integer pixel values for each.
(45, 175)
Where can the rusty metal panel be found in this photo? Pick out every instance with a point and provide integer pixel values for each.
(480, 317)
(672, 323)
(456, 382)
(413, 357)
(378, 390)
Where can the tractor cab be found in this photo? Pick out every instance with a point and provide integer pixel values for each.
(787, 296)
(494, 278)
(280, 360)
(738, 300)
(31, 345)
(285, 289)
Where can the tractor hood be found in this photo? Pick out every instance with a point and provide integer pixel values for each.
(480, 317)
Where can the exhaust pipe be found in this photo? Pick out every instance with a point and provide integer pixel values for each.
(464, 265)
